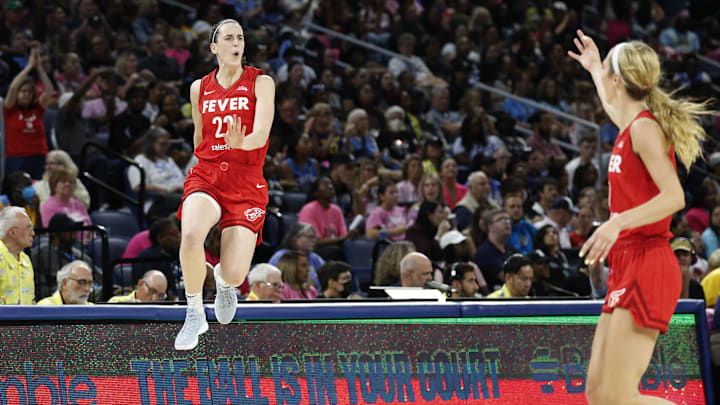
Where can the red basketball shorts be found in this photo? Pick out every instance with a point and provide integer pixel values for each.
(240, 191)
(644, 279)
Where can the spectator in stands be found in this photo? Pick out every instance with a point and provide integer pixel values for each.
(523, 232)
(478, 194)
(70, 76)
(74, 281)
(704, 199)
(335, 280)
(710, 235)
(432, 155)
(342, 174)
(447, 120)
(559, 217)
(366, 187)
(128, 128)
(586, 175)
(387, 266)
(431, 189)
(546, 239)
(387, 218)
(152, 287)
(415, 270)
(296, 284)
(518, 272)
(431, 224)
(547, 192)
(453, 191)
(17, 283)
(265, 283)
(163, 177)
(171, 118)
(128, 75)
(409, 62)
(474, 139)
(584, 227)
(302, 237)
(545, 128)
(409, 189)
(320, 127)
(679, 38)
(50, 254)
(521, 84)
(60, 158)
(325, 217)
(588, 154)
(62, 188)
(491, 254)
(461, 277)
(357, 138)
(14, 20)
(25, 142)
(162, 254)
(700, 267)
(300, 170)
(15, 57)
(17, 186)
(685, 253)
(102, 110)
(157, 62)
(99, 53)
(286, 127)
(711, 282)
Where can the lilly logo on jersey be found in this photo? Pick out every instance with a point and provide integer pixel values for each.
(253, 214)
(226, 104)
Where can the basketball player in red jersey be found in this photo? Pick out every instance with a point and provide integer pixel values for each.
(645, 279)
(232, 109)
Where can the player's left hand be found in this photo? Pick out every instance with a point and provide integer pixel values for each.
(235, 135)
(598, 246)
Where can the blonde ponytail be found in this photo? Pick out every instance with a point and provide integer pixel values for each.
(639, 67)
(679, 120)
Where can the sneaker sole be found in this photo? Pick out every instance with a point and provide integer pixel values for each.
(193, 344)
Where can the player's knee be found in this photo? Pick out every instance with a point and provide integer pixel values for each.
(191, 239)
(234, 275)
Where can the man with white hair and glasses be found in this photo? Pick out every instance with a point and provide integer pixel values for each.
(17, 285)
(74, 282)
(265, 283)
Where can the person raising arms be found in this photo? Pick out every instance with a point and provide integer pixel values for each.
(645, 279)
(232, 111)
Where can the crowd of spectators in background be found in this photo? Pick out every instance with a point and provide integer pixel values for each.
(451, 183)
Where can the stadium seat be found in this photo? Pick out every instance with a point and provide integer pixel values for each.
(117, 223)
(359, 256)
(293, 201)
(116, 248)
(288, 220)
(272, 229)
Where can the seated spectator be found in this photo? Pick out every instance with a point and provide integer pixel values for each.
(474, 140)
(546, 239)
(454, 191)
(103, 109)
(588, 154)
(700, 267)
(416, 66)
(521, 238)
(559, 217)
(447, 120)
(518, 272)
(387, 266)
(342, 174)
(163, 178)
(162, 254)
(545, 128)
(387, 217)
(586, 175)
(704, 199)
(432, 189)
(151, 288)
(478, 194)
(62, 187)
(432, 155)
(157, 62)
(302, 237)
(415, 270)
(357, 138)
(711, 282)
(17, 282)
(335, 280)
(137, 244)
(74, 281)
(326, 218)
(320, 127)
(60, 158)
(17, 186)
(685, 252)
(299, 170)
(584, 227)
(431, 224)
(710, 235)
(409, 188)
(128, 128)
(491, 254)
(294, 267)
(265, 283)
(679, 37)
(461, 277)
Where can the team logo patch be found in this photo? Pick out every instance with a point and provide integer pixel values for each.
(615, 297)
(253, 214)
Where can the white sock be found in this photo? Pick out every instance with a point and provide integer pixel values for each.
(219, 280)
(194, 301)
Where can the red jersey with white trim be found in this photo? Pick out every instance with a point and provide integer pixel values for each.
(25, 131)
(217, 106)
(630, 183)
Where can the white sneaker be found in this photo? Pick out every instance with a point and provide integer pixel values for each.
(194, 326)
(225, 300)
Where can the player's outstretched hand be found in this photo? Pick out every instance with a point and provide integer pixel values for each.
(589, 56)
(598, 246)
(235, 135)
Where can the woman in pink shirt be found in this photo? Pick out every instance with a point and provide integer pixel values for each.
(409, 189)
(295, 270)
(62, 187)
(454, 191)
(388, 216)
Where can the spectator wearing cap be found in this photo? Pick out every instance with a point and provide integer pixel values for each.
(456, 247)
(151, 288)
(711, 233)
(409, 189)
(559, 217)
(62, 188)
(519, 275)
(461, 277)
(523, 232)
(13, 21)
(478, 194)
(17, 283)
(74, 281)
(50, 254)
(490, 254)
(335, 280)
(541, 286)
(685, 253)
(265, 283)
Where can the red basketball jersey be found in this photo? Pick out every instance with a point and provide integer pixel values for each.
(217, 106)
(631, 185)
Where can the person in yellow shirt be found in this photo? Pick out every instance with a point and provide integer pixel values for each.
(74, 282)
(265, 283)
(17, 283)
(151, 288)
(518, 272)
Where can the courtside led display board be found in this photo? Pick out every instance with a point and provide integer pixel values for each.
(112, 355)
